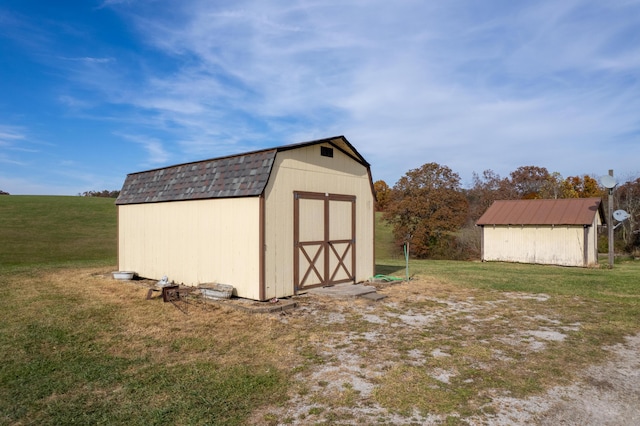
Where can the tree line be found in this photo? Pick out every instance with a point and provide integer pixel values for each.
(428, 208)
(104, 194)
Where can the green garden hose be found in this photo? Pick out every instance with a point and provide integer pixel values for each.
(387, 278)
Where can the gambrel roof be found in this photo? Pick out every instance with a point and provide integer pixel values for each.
(242, 175)
(565, 211)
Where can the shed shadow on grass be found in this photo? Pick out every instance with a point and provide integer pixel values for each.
(390, 270)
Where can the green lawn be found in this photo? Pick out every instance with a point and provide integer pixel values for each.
(50, 229)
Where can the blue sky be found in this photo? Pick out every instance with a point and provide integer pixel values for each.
(91, 90)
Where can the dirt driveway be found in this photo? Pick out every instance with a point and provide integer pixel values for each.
(431, 353)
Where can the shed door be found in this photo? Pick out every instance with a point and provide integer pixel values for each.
(324, 239)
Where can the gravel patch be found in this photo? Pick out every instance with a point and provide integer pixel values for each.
(606, 394)
(341, 388)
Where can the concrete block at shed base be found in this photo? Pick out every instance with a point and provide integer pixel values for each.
(216, 291)
(123, 275)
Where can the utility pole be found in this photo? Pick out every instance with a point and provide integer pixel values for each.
(610, 222)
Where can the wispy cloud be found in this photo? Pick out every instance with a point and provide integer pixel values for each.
(88, 60)
(10, 134)
(74, 102)
(110, 3)
(8, 160)
(154, 148)
(472, 85)
(427, 77)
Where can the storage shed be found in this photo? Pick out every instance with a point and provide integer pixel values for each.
(555, 232)
(271, 223)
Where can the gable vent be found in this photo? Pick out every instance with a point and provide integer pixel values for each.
(325, 151)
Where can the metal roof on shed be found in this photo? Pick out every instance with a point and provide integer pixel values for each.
(242, 175)
(566, 211)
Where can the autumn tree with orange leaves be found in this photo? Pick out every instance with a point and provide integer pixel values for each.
(382, 194)
(583, 186)
(425, 205)
(528, 181)
(487, 188)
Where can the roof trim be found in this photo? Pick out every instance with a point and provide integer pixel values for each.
(355, 155)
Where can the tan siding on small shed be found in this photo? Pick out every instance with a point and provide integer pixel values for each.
(193, 242)
(304, 169)
(560, 245)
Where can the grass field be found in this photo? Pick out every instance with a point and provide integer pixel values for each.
(81, 348)
(48, 229)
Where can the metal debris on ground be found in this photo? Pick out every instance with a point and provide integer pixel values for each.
(176, 295)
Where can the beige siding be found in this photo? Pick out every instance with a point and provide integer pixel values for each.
(592, 238)
(305, 170)
(558, 245)
(193, 242)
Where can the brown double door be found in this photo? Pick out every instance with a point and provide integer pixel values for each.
(324, 239)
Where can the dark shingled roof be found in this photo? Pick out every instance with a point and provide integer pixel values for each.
(242, 175)
(567, 211)
(237, 176)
